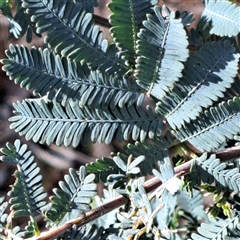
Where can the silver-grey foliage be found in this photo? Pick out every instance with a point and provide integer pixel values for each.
(173, 97)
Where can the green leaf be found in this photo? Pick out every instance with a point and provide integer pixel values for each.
(5, 3)
(207, 75)
(10, 153)
(162, 49)
(49, 121)
(126, 19)
(102, 168)
(213, 127)
(153, 152)
(211, 170)
(218, 229)
(92, 231)
(71, 32)
(27, 195)
(73, 199)
(223, 17)
(47, 73)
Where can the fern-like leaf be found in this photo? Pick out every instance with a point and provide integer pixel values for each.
(164, 216)
(102, 168)
(223, 17)
(126, 19)
(219, 229)
(153, 152)
(210, 170)
(74, 34)
(161, 50)
(49, 121)
(127, 169)
(167, 194)
(213, 127)
(108, 219)
(207, 75)
(48, 73)
(14, 28)
(30, 230)
(192, 204)
(27, 196)
(73, 199)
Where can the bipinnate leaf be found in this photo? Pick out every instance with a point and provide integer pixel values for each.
(72, 32)
(91, 231)
(73, 198)
(162, 49)
(126, 20)
(3, 214)
(210, 170)
(102, 168)
(213, 127)
(46, 73)
(208, 74)
(153, 152)
(192, 204)
(27, 193)
(46, 121)
(88, 4)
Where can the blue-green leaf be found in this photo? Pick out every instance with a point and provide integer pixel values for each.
(223, 17)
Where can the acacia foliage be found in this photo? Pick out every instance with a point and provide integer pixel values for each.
(90, 90)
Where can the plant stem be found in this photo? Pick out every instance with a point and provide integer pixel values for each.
(224, 156)
(88, 217)
(102, 21)
(228, 154)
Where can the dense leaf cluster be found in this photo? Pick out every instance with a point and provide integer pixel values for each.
(171, 94)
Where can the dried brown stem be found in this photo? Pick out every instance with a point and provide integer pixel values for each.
(88, 217)
(225, 155)
(228, 154)
(102, 21)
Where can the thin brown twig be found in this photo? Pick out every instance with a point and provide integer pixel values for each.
(228, 154)
(88, 217)
(102, 21)
(224, 156)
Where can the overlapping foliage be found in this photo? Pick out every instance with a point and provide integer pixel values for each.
(93, 91)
